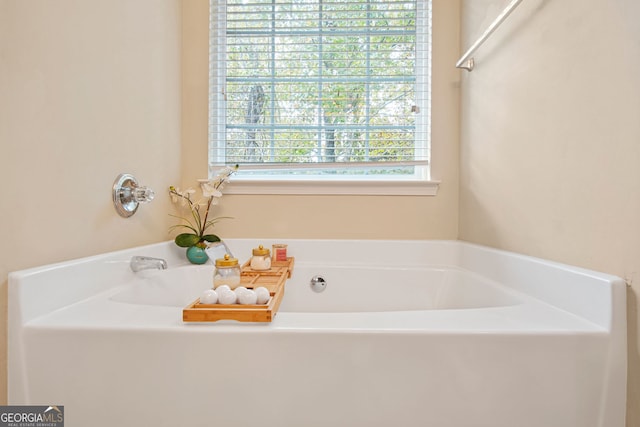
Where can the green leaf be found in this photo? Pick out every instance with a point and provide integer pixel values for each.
(188, 224)
(211, 238)
(213, 221)
(186, 240)
(173, 227)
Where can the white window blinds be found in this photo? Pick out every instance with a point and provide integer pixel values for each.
(320, 86)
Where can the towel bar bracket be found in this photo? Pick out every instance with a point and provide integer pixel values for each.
(468, 65)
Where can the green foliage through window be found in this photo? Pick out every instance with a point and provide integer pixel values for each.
(322, 81)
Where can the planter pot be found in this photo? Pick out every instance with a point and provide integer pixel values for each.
(197, 255)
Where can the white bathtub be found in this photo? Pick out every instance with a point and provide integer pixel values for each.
(412, 333)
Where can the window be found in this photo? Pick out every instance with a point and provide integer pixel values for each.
(328, 90)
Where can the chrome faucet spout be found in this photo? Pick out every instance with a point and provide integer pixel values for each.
(139, 263)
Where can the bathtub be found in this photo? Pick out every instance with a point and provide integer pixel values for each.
(411, 333)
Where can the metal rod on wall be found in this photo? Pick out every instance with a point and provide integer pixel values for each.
(466, 61)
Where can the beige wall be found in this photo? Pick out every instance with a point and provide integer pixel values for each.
(88, 89)
(550, 140)
(332, 216)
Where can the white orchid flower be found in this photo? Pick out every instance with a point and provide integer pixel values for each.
(201, 202)
(210, 190)
(174, 193)
(186, 196)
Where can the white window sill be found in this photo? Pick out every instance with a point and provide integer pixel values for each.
(333, 187)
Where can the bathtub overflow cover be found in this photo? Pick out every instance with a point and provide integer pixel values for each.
(318, 284)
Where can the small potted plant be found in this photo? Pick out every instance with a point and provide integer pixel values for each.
(198, 222)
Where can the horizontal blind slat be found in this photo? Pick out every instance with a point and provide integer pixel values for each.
(318, 81)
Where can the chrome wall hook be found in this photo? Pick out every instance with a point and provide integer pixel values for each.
(127, 195)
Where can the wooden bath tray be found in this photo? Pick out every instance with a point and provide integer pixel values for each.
(273, 279)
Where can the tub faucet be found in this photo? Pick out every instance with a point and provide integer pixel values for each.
(139, 263)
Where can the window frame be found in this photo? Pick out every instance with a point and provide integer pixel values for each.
(419, 183)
